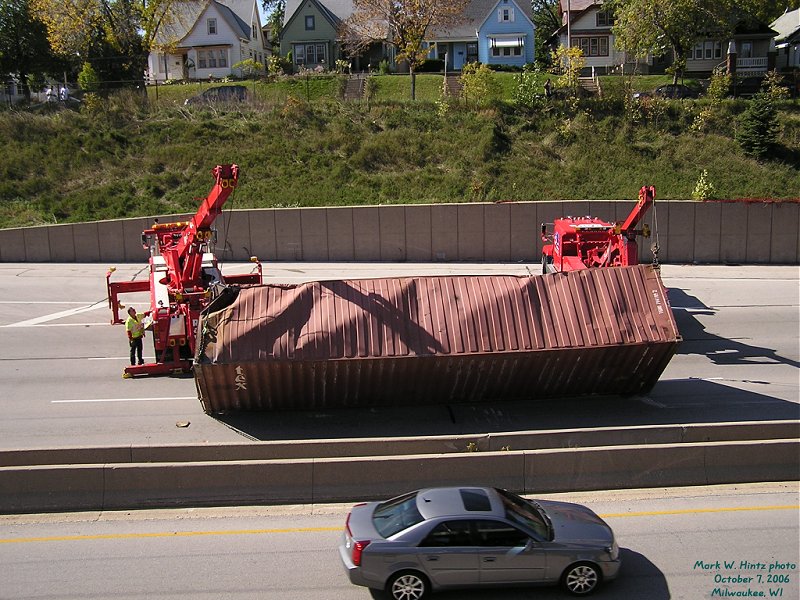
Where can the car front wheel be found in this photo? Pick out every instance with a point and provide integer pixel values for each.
(581, 579)
(407, 585)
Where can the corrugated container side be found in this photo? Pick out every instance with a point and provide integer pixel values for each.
(417, 340)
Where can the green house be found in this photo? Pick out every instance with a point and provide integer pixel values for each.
(311, 30)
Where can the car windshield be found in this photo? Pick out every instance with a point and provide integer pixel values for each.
(397, 514)
(524, 513)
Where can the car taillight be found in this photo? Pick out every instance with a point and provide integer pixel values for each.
(358, 550)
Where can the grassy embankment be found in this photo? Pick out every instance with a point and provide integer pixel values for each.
(127, 158)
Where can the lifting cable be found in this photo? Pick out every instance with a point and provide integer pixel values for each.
(228, 221)
(655, 247)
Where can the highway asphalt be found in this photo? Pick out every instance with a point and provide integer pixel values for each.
(61, 364)
(676, 544)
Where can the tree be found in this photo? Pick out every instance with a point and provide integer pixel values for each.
(128, 27)
(757, 129)
(645, 27)
(24, 49)
(547, 19)
(403, 24)
(275, 11)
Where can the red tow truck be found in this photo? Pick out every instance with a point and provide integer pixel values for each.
(589, 242)
(183, 269)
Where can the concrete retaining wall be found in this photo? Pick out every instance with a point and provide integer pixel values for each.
(703, 232)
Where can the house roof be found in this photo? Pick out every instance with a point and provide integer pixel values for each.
(577, 5)
(237, 13)
(474, 14)
(334, 10)
(787, 25)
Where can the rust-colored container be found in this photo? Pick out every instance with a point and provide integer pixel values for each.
(420, 340)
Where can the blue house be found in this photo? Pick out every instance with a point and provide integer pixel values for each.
(493, 32)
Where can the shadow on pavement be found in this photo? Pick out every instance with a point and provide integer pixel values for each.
(719, 350)
(680, 401)
(639, 579)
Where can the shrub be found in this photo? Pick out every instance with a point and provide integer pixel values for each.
(703, 189)
(720, 85)
(88, 79)
(479, 84)
(757, 129)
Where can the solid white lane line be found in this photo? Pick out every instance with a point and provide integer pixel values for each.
(59, 315)
(86, 400)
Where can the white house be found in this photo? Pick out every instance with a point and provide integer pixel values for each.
(788, 39)
(205, 39)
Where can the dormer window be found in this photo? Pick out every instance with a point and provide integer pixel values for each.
(211, 26)
(605, 19)
(505, 15)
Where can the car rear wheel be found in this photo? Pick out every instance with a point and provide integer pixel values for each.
(408, 585)
(581, 579)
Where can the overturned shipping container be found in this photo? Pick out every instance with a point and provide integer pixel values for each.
(413, 340)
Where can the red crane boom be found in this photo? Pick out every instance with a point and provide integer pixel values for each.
(182, 270)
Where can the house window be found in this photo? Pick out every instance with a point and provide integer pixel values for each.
(310, 54)
(212, 59)
(746, 50)
(505, 15)
(698, 51)
(211, 26)
(202, 62)
(309, 22)
(605, 19)
(255, 32)
(592, 46)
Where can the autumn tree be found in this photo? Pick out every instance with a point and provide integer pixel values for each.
(404, 24)
(24, 49)
(128, 28)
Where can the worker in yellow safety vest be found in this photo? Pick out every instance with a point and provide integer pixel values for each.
(134, 326)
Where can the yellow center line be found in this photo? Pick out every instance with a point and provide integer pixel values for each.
(168, 534)
(690, 511)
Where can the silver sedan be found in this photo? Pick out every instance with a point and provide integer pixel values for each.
(443, 538)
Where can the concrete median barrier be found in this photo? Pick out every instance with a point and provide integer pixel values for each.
(401, 446)
(613, 467)
(207, 484)
(345, 479)
(35, 488)
(57, 488)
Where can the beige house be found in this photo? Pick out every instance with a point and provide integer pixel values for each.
(205, 39)
(587, 25)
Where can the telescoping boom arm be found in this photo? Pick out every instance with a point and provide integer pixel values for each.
(182, 270)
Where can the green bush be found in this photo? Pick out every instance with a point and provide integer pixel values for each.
(757, 129)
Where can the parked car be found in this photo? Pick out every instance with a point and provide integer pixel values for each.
(674, 90)
(222, 93)
(441, 538)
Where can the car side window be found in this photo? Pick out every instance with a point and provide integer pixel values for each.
(449, 534)
(498, 533)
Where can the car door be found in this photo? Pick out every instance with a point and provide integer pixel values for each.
(508, 554)
(449, 555)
